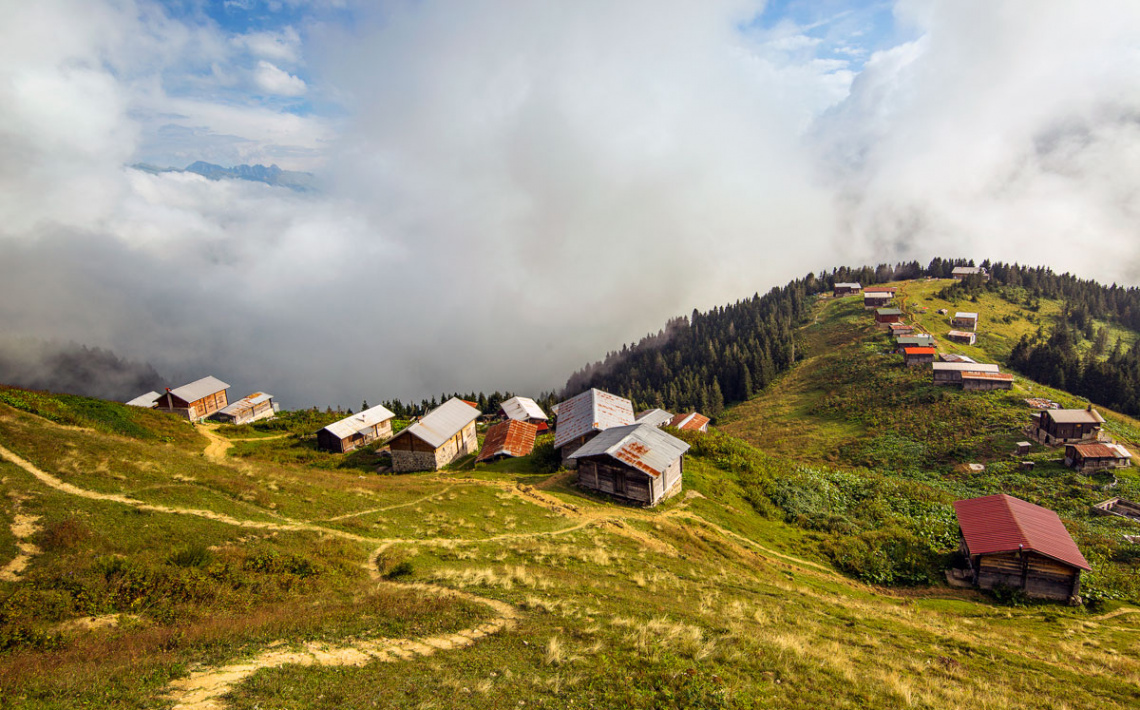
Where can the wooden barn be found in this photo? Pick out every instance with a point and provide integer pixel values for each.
(524, 409)
(1013, 543)
(1067, 426)
(955, 357)
(916, 357)
(966, 320)
(195, 401)
(973, 381)
(352, 432)
(846, 289)
(900, 329)
(962, 336)
(445, 434)
(638, 463)
(581, 418)
(950, 373)
(512, 438)
(885, 316)
(656, 417)
(1087, 458)
(915, 341)
(147, 401)
(693, 421)
(252, 408)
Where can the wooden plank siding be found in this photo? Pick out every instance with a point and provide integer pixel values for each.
(329, 441)
(605, 475)
(1037, 575)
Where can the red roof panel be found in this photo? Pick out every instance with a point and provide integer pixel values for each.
(918, 351)
(1002, 523)
(509, 438)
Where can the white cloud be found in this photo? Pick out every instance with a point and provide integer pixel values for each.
(272, 80)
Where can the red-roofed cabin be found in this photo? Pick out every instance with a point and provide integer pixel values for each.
(916, 357)
(509, 438)
(1010, 542)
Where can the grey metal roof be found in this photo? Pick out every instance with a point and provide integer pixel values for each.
(889, 312)
(848, 285)
(443, 422)
(643, 446)
(246, 402)
(656, 417)
(966, 270)
(954, 357)
(199, 388)
(1075, 416)
(966, 314)
(592, 410)
(145, 400)
(522, 409)
(358, 422)
(965, 367)
(920, 339)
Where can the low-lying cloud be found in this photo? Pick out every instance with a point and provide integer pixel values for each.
(513, 189)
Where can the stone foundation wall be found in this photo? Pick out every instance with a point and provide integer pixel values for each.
(409, 461)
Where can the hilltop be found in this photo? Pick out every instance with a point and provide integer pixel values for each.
(152, 563)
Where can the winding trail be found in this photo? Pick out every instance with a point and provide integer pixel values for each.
(23, 527)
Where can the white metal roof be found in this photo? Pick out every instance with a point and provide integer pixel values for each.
(954, 357)
(199, 388)
(965, 367)
(656, 417)
(246, 402)
(966, 314)
(358, 422)
(145, 400)
(592, 410)
(443, 422)
(848, 285)
(643, 446)
(968, 270)
(1076, 416)
(522, 409)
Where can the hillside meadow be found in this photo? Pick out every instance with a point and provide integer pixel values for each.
(169, 565)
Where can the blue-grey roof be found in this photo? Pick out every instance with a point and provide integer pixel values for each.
(642, 446)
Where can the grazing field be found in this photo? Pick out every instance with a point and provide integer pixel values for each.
(154, 565)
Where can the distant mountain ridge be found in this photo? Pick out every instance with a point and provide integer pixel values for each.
(272, 175)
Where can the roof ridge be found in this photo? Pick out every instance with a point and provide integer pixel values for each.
(1006, 498)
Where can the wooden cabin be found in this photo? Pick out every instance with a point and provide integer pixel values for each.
(146, 401)
(445, 434)
(1066, 426)
(846, 289)
(962, 336)
(581, 418)
(638, 463)
(523, 409)
(873, 300)
(251, 408)
(1088, 458)
(915, 341)
(352, 432)
(916, 357)
(962, 272)
(900, 329)
(693, 421)
(950, 373)
(512, 438)
(965, 319)
(973, 381)
(1013, 543)
(888, 315)
(195, 401)
(656, 417)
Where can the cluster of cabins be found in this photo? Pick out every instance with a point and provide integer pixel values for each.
(207, 399)
(626, 456)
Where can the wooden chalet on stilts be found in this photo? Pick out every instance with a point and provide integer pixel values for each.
(195, 401)
(583, 417)
(1013, 543)
(638, 463)
(352, 432)
(445, 434)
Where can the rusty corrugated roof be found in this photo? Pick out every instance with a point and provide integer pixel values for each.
(593, 410)
(510, 438)
(1002, 523)
(642, 446)
(693, 421)
(1102, 451)
(971, 375)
